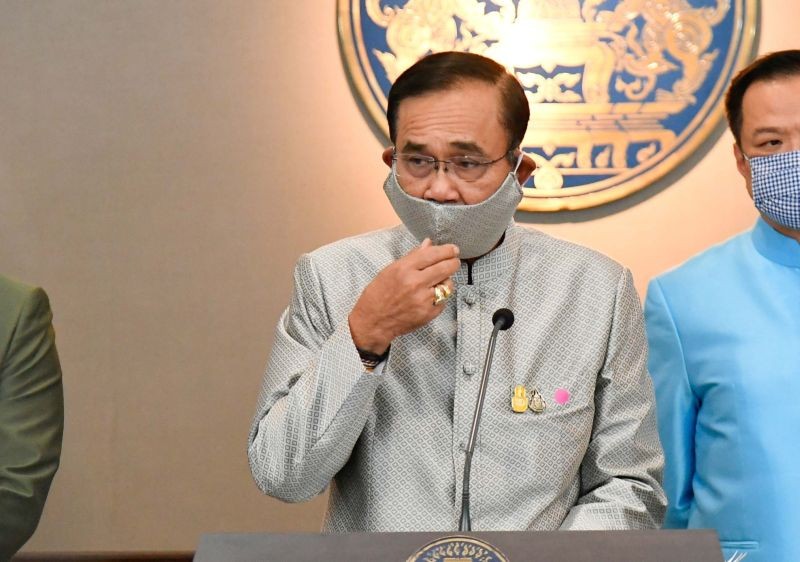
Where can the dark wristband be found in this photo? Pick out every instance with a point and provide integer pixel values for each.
(371, 360)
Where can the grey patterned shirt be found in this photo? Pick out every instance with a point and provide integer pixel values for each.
(391, 446)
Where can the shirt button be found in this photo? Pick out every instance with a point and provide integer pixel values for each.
(469, 297)
(469, 369)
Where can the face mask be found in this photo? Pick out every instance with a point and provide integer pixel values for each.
(776, 187)
(475, 229)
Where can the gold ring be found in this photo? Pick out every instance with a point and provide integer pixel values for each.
(441, 293)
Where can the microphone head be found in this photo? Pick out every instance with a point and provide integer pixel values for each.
(505, 318)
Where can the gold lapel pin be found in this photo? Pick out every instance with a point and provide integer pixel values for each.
(519, 402)
(537, 404)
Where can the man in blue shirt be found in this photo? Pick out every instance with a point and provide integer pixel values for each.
(724, 333)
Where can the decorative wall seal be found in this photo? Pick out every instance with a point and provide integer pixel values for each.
(621, 91)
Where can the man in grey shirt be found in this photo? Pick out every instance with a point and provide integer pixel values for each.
(373, 376)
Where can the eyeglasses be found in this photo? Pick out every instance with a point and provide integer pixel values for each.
(466, 168)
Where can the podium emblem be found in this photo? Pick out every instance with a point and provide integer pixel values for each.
(620, 91)
(458, 549)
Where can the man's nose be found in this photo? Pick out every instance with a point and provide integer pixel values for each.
(793, 143)
(442, 185)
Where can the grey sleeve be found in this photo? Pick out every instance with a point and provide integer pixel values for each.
(315, 397)
(622, 469)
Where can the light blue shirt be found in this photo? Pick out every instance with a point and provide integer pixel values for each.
(724, 333)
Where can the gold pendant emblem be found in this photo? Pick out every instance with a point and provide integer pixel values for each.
(537, 404)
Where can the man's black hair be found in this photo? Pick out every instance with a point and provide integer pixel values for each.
(781, 64)
(442, 71)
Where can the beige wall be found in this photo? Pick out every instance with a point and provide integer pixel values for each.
(162, 165)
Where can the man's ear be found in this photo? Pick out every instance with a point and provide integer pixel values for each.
(387, 156)
(744, 168)
(525, 169)
(741, 162)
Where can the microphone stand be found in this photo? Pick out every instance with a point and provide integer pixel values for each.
(503, 319)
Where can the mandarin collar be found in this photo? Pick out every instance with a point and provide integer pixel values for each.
(775, 246)
(496, 264)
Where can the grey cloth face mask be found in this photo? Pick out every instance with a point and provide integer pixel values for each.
(475, 229)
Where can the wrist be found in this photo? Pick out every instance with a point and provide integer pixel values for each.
(367, 338)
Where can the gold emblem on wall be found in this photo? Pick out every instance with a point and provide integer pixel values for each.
(620, 91)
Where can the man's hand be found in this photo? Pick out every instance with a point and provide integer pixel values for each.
(400, 298)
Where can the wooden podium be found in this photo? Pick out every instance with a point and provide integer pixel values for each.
(541, 546)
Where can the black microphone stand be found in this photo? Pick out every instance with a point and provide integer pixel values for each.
(502, 320)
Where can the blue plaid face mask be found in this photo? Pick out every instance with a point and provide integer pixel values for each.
(776, 186)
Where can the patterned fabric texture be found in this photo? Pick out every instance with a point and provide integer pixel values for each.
(391, 446)
(776, 187)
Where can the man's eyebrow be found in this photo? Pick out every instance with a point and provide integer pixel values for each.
(410, 146)
(468, 146)
(769, 130)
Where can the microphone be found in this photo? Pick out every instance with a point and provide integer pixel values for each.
(502, 319)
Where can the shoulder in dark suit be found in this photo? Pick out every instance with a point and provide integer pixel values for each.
(31, 411)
